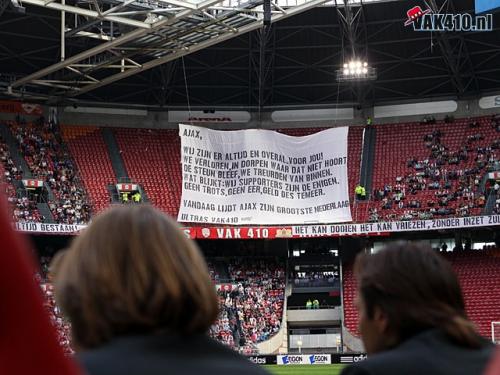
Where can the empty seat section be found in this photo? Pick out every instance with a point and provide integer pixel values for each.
(152, 159)
(89, 150)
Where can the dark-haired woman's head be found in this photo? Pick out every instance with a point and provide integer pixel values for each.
(133, 271)
(405, 289)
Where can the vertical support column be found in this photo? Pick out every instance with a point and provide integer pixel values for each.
(63, 32)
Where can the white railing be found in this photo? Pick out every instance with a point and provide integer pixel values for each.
(353, 343)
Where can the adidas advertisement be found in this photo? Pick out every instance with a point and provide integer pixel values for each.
(352, 358)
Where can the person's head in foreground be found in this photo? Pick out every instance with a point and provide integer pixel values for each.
(139, 297)
(412, 315)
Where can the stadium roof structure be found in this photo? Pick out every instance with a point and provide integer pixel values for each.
(219, 54)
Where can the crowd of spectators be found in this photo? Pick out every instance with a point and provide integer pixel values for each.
(449, 176)
(11, 171)
(251, 311)
(41, 146)
(23, 208)
(61, 325)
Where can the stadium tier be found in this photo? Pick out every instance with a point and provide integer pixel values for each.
(437, 167)
(420, 170)
(152, 159)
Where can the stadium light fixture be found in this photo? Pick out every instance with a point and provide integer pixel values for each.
(356, 70)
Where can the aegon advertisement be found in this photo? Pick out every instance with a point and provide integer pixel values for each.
(249, 177)
(305, 359)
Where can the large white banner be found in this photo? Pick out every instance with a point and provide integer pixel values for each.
(263, 177)
(298, 231)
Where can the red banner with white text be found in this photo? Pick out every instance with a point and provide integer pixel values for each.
(13, 106)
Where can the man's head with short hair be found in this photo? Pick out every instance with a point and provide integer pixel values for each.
(405, 289)
(133, 271)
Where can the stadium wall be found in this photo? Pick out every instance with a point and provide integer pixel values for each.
(320, 316)
(307, 117)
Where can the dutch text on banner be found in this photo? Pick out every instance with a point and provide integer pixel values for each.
(248, 177)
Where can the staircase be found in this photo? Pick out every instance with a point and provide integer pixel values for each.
(490, 203)
(351, 342)
(221, 269)
(114, 154)
(144, 196)
(50, 194)
(16, 156)
(44, 210)
(113, 193)
(367, 160)
(482, 185)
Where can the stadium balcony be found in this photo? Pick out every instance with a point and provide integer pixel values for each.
(90, 153)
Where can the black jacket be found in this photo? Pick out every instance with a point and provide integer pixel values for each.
(428, 353)
(166, 355)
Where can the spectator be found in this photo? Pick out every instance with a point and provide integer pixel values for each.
(360, 192)
(125, 197)
(136, 197)
(157, 305)
(26, 330)
(309, 304)
(405, 317)
(315, 304)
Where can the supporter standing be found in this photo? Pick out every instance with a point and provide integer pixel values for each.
(414, 322)
(141, 301)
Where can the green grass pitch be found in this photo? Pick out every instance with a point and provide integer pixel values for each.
(304, 369)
